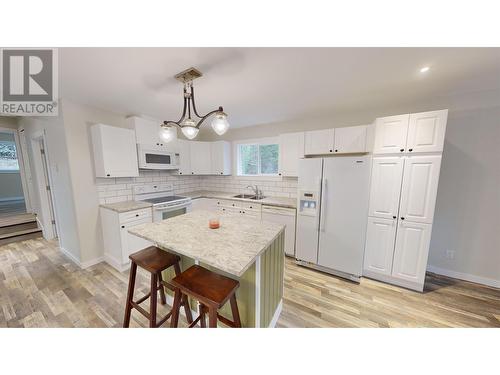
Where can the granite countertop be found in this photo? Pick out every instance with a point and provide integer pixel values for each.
(268, 201)
(126, 206)
(232, 248)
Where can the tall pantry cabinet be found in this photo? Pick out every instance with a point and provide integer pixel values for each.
(404, 183)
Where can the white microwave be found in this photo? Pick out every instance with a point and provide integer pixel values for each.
(154, 157)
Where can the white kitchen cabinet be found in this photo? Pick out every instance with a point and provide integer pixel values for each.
(286, 217)
(385, 188)
(379, 249)
(147, 131)
(118, 242)
(419, 188)
(390, 134)
(201, 157)
(426, 131)
(319, 142)
(184, 149)
(411, 252)
(115, 151)
(351, 139)
(221, 157)
(291, 150)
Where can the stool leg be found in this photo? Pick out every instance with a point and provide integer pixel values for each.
(162, 289)
(153, 300)
(185, 300)
(175, 309)
(130, 295)
(234, 311)
(212, 317)
(203, 322)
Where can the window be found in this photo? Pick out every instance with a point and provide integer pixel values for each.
(8, 157)
(258, 159)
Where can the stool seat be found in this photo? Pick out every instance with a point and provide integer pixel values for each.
(205, 285)
(211, 290)
(154, 259)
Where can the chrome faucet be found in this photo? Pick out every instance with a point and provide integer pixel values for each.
(257, 192)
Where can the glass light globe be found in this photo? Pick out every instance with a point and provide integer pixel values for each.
(189, 129)
(168, 133)
(219, 123)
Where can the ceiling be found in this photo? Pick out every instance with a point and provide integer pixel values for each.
(264, 85)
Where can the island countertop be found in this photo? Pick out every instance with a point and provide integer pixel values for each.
(232, 248)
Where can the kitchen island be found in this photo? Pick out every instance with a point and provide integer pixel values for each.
(242, 248)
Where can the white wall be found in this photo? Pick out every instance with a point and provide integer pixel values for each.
(468, 203)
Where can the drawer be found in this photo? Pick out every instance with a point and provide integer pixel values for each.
(226, 203)
(250, 206)
(143, 213)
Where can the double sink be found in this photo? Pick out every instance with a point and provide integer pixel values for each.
(249, 196)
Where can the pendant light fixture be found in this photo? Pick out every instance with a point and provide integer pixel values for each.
(189, 125)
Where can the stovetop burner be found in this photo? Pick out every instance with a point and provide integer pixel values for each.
(164, 199)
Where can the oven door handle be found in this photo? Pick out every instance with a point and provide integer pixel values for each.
(172, 208)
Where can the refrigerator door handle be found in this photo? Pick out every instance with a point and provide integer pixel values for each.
(323, 205)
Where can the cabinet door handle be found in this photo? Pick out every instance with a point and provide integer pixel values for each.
(410, 149)
(336, 150)
(394, 217)
(402, 149)
(402, 218)
(108, 175)
(136, 215)
(331, 150)
(123, 226)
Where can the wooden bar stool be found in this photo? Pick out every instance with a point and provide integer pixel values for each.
(155, 261)
(211, 290)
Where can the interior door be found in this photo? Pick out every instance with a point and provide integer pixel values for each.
(411, 251)
(385, 190)
(390, 134)
(379, 248)
(319, 142)
(344, 205)
(426, 131)
(419, 190)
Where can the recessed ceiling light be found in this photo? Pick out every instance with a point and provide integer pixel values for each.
(424, 69)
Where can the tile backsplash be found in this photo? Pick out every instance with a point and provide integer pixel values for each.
(111, 190)
(270, 186)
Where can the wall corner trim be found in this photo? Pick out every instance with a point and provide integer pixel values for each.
(464, 276)
(82, 265)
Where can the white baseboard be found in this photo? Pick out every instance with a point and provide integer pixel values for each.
(82, 265)
(117, 265)
(464, 276)
(276, 315)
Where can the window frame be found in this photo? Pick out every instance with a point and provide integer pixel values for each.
(257, 142)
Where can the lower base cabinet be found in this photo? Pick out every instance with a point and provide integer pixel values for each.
(118, 242)
(396, 252)
(411, 251)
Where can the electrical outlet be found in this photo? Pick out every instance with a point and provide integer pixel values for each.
(450, 254)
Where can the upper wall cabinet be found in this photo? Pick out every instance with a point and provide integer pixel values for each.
(147, 131)
(221, 157)
(426, 131)
(291, 150)
(417, 132)
(319, 142)
(350, 139)
(115, 151)
(201, 157)
(390, 134)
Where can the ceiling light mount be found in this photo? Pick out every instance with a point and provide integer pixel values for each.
(188, 125)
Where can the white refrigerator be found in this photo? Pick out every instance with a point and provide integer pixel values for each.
(331, 214)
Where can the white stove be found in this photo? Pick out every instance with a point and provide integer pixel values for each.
(165, 203)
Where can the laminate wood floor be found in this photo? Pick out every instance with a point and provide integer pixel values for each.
(40, 287)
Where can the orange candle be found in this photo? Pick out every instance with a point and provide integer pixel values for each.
(213, 223)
